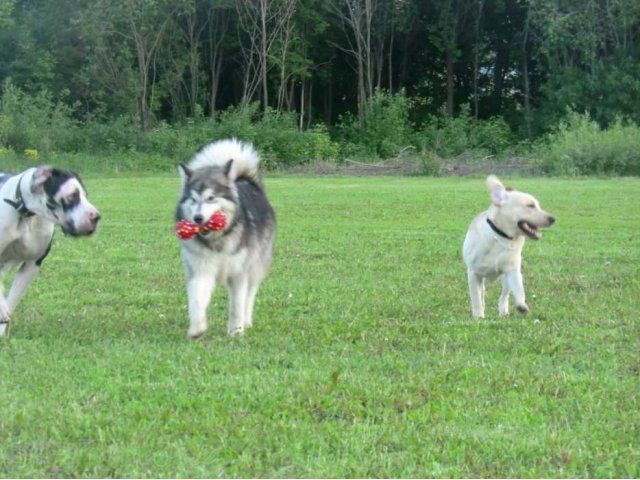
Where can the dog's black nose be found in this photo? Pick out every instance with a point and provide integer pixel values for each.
(552, 220)
(198, 218)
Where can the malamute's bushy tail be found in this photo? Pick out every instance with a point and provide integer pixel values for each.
(245, 158)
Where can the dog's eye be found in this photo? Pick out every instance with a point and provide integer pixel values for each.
(210, 198)
(71, 199)
(532, 205)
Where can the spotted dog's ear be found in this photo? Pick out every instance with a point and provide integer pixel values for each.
(42, 173)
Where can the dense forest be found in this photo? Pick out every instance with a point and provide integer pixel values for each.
(151, 63)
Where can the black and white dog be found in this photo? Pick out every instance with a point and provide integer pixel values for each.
(31, 204)
(222, 182)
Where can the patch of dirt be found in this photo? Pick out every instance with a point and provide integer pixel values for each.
(406, 166)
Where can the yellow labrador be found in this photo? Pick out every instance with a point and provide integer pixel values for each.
(494, 241)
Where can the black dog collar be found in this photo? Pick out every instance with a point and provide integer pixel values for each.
(18, 203)
(497, 230)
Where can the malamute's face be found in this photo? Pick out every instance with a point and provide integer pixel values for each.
(205, 191)
(66, 201)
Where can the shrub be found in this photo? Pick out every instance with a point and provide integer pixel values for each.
(239, 122)
(383, 129)
(449, 136)
(429, 164)
(578, 146)
(116, 135)
(35, 122)
(275, 135)
(319, 144)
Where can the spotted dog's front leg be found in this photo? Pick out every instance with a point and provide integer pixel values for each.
(21, 283)
(5, 315)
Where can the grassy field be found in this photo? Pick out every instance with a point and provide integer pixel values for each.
(363, 361)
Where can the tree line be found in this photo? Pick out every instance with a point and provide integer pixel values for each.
(526, 61)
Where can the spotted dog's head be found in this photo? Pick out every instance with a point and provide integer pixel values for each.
(66, 200)
(519, 212)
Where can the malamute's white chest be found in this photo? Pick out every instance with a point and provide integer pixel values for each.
(224, 265)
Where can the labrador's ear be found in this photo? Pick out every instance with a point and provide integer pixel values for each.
(42, 173)
(496, 189)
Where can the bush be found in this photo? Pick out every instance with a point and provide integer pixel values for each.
(454, 136)
(579, 146)
(117, 135)
(275, 135)
(429, 164)
(382, 131)
(36, 122)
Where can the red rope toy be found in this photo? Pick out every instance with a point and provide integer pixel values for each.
(187, 230)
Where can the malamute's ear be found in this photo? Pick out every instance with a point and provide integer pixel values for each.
(227, 168)
(42, 173)
(497, 190)
(185, 173)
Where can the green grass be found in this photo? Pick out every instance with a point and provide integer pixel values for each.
(363, 361)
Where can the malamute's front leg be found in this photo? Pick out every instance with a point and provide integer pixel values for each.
(237, 306)
(199, 290)
(252, 291)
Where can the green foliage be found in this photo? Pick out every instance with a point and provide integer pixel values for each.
(363, 361)
(453, 136)
(320, 146)
(579, 146)
(609, 92)
(276, 136)
(430, 164)
(382, 131)
(107, 137)
(28, 122)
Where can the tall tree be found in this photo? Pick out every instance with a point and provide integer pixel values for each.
(125, 29)
(218, 22)
(451, 21)
(356, 18)
(591, 54)
(262, 22)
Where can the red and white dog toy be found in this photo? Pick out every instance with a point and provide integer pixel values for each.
(187, 230)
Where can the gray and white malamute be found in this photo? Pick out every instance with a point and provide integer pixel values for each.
(231, 229)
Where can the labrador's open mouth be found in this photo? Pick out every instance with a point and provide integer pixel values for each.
(529, 230)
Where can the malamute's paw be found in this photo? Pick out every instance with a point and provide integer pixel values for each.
(523, 308)
(235, 332)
